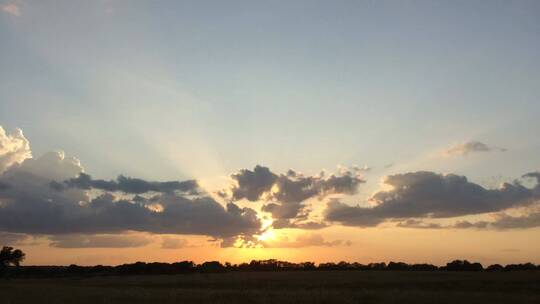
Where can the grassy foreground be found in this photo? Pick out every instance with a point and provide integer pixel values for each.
(282, 287)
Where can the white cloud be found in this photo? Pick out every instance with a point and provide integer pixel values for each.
(14, 148)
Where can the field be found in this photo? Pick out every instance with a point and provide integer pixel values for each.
(282, 287)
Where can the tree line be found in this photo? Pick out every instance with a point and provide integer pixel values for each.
(10, 260)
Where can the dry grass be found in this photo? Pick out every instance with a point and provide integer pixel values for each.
(282, 287)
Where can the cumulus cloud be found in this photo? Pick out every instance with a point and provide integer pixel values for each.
(78, 204)
(286, 193)
(305, 240)
(31, 206)
(470, 147)
(52, 165)
(251, 185)
(14, 148)
(100, 241)
(427, 194)
(11, 8)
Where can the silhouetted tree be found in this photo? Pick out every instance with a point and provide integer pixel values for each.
(377, 266)
(9, 256)
(213, 266)
(184, 267)
(398, 266)
(495, 267)
(526, 266)
(424, 267)
(463, 265)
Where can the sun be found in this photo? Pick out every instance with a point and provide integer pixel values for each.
(267, 235)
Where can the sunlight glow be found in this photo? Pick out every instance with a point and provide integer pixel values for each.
(267, 235)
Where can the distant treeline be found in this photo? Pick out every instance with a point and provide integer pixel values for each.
(141, 268)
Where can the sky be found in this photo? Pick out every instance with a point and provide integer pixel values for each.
(208, 130)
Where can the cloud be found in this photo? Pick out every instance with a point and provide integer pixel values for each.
(12, 238)
(510, 250)
(351, 215)
(305, 240)
(128, 185)
(470, 147)
(28, 203)
(14, 148)
(51, 165)
(467, 224)
(3, 186)
(412, 223)
(168, 242)
(530, 218)
(286, 193)
(504, 222)
(31, 206)
(430, 195)
(292, 224)
(100, 241)
(11, 8)
(251, 185)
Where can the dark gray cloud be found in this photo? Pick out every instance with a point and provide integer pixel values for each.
(430, 195)
(351, 215)
(3, 186)
(471, 147)
(99, 241)
(286, 193)
(294, 224)
(467, 225)
(251, 185)
(504, 222)
(30, 205)
(127, 185)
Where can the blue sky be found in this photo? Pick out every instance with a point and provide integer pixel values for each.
(298, 84)
(200, 89)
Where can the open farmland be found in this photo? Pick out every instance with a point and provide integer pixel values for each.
(281, 287)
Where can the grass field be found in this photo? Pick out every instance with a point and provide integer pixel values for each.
(282, 287)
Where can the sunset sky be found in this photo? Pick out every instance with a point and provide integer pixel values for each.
(299, 130)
